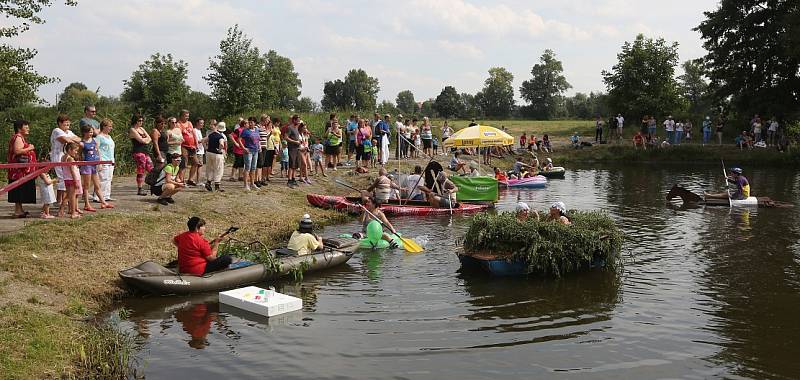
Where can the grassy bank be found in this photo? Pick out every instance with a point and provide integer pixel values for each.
(56, 275)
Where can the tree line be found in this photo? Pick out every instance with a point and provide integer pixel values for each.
(752, 66)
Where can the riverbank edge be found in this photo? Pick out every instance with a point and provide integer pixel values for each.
(53, 333)
(686, 153)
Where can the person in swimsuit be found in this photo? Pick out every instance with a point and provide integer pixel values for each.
(558, 213)
(382, 187)
(443, 195)
(371, 205)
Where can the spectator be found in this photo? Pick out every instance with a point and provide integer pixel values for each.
(523, 140)
(598, 130)
(61, 136)
(706, 130)
(168, 183)
(159, 139)
(651, 127)
(188, 148)
(139, 140)
(678, 133)
(447, 131)
(238, 151)
(332, 150)
(216, 143)
(352, 129)
(719, 127)
(772, 130)
(687, 126)
(293, 140)
(249, 138)
(620, 123)
(20, 151)
(88, 173)
(638, 140)
(201, 151)
(546, 147)
(669, 127)
(106, 146)
(89, 114)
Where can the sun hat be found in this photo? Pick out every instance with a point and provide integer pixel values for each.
(548, 159)
(221, 126)
(522, 206)
(560, 206)
(306, 222)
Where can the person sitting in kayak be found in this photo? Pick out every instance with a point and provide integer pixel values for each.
(195, 255)
(499, 175)
(382, 187)
(548, 166)
(473, 169)
(558, 213)
(443, 195)
(303, 240)
(524, 212)
(519, 168)
(371, 205)
(456, 164)
(742, 187)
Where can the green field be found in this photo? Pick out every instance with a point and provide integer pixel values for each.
(554, 128)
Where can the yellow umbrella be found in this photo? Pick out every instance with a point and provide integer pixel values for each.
(478, 136)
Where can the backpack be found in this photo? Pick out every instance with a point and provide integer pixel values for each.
(152, 176)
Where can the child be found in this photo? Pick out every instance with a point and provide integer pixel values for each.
(435, 146)
(284, 159)
(89, 176)
(374, 149)
(48, 194)
(418, 144)
(316, 157)
(72, 181)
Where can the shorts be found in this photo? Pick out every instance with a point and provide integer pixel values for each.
(201, 159)
(262, 156)
(189, 154)
(87, 169)
(284, 165)
(251, 161)
(269, 157)
(444, 202)
(238, 161)
(427, 143)
(143, 163)
(71, 183)
(294, 159)
(332, 150)
(351, 147)
(156, 190)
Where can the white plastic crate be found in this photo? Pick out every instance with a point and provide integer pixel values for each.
(265, 302)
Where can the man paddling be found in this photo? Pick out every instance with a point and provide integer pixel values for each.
(742, 187)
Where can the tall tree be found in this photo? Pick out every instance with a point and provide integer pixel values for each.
(448, 103)
(643, 80)
(76, 95)
(280, 84)
(159, 83)
(334, 96)
(578, 106)
(694, 87)
(361, 89)
(406, 103)
(470, 106)
(497, 95)
(427, 108)
(545, 90)
(236, 74)
(25, 11)
(754, 55)
(305, 104)
(386, 106)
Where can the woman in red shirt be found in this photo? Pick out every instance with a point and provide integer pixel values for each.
(195, 255)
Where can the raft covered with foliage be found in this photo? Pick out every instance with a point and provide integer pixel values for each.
(547, 248)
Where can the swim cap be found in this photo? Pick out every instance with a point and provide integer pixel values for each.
(737, 170)
(549, 159)
(306, 222)
(560, 206)
(522, 206)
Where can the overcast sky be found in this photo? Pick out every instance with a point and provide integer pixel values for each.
(420, 45)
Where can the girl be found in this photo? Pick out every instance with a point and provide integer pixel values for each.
(159, 139)
(88, 173)
(105, 145)
(316, 156)
(363, 143)
(139, 141)
(71, 180)
(426, 135)
(305, 157)
(334, 145)
(48, 194)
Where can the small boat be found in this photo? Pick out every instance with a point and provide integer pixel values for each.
(504, 266)
(536, 182)
(419, 208)
(555, 172)
(689, 197)
(157, 279)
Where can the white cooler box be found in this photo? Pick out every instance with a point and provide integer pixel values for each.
(266, 302)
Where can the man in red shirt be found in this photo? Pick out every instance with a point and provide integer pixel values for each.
(195, 255)
(188, 147)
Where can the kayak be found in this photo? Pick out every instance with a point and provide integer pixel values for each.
(536, 182)
(689, 198)
(555, 172)
(418, 208)
(157, 279)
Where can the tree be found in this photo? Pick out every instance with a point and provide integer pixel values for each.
(406, 103)
(361, 89)
(18, 79)
(358, 91)
(280, 84)
(694, 87)
(448, 103)
(427, 108)
(497, 95)
(385, 107)
(159, 83)
(75, 96)
(26, 11)
(578, 106)
(305, 104)
(545, 90)
(643, 80)
(754, 55)
(470, 106)
(236, 74)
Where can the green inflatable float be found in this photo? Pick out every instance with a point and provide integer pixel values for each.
(374, 239)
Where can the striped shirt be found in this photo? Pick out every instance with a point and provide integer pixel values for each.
(263, 136)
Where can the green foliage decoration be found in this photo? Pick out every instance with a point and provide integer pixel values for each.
(548, 248)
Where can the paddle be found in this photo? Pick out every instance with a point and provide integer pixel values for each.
(409, 244)
(725, 174)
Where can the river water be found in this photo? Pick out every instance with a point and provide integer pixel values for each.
(704, 292)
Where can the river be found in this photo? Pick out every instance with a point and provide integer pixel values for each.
(703, 292)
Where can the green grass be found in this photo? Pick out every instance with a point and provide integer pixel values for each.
(554, 128)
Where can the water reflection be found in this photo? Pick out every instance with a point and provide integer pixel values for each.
(196, 321)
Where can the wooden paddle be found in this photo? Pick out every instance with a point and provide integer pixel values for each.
(727, 191)
(409, 244)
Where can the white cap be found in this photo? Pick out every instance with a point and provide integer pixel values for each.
(548, 159)
(522, 206)
(221, 126)
(560, 206)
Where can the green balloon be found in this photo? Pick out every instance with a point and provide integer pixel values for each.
(374, 232)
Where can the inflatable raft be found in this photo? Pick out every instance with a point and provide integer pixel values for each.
(536, 182)
(156, 279)
(555, 172)
(419, 208)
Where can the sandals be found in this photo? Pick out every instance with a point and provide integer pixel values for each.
(22, 216)
(107, 205)
(90, 209)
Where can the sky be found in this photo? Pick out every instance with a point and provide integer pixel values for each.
(417, 45)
